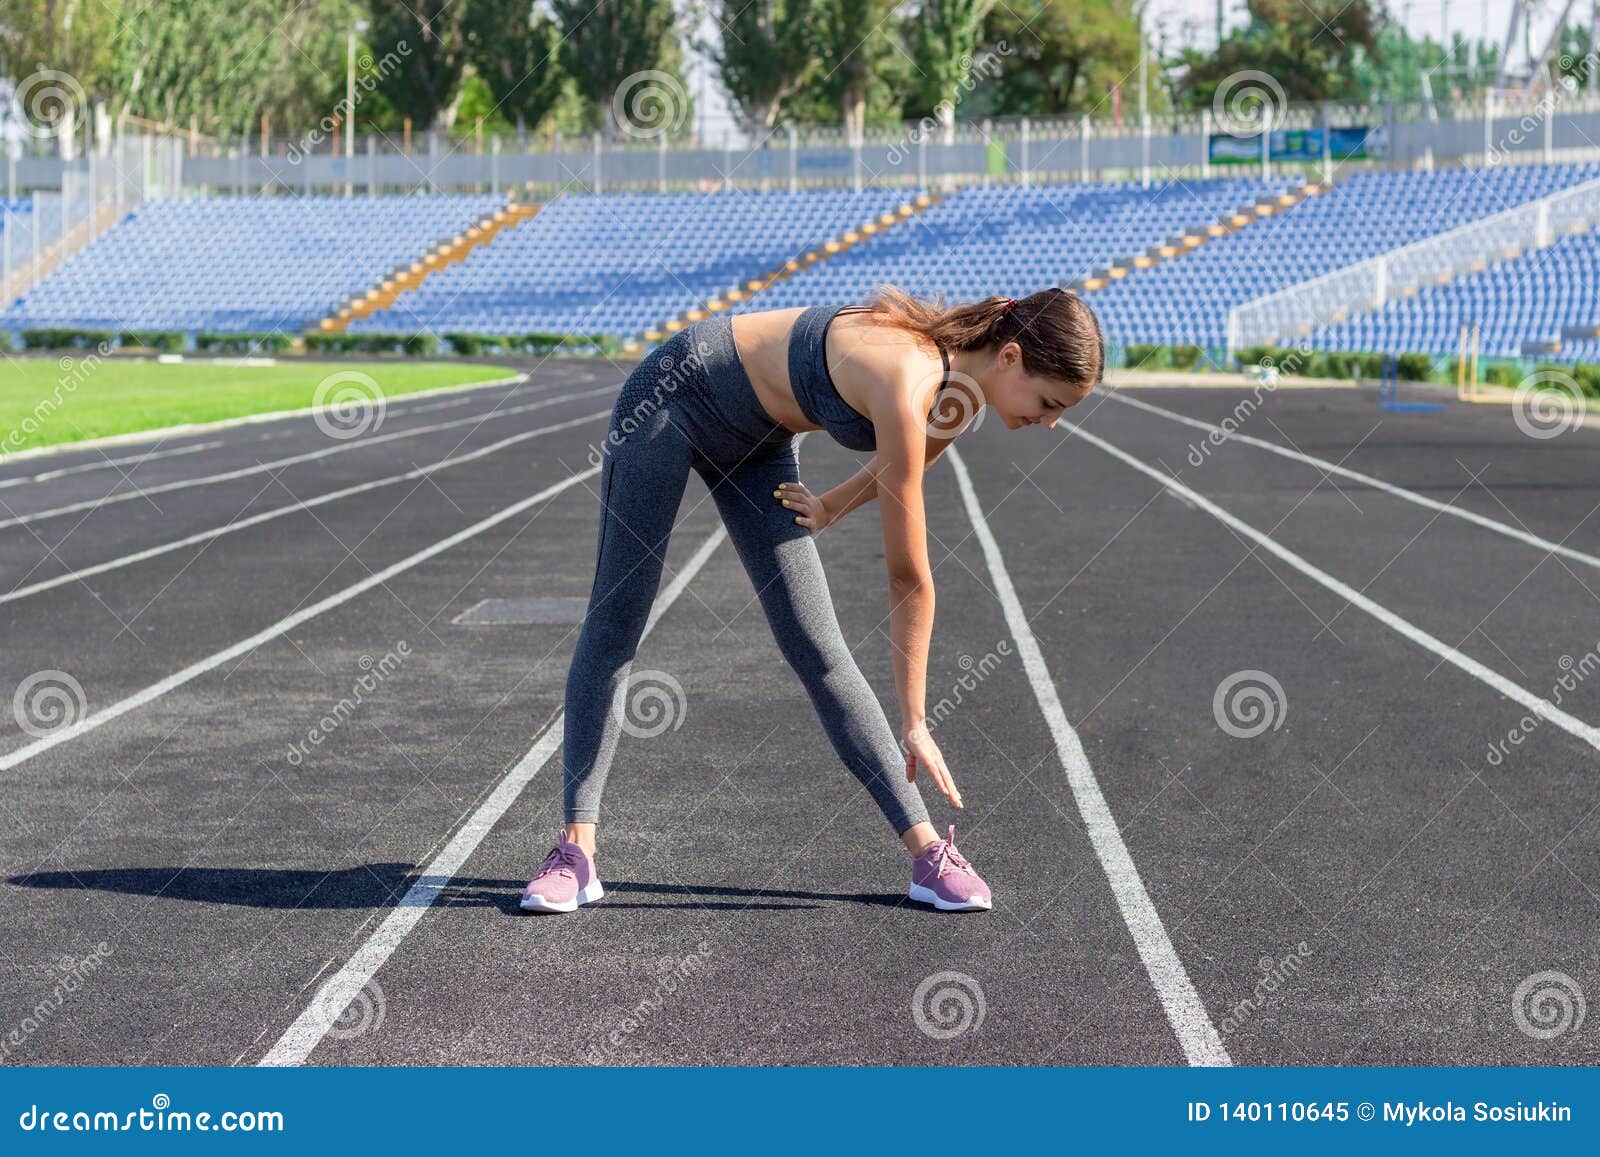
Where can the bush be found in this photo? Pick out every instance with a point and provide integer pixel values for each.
(1502, 374)
(167, 341)
(1415, 367)
(1140, 356)
(420, 345)
(475, 344)
(1588, 377)
(66, 339)
(244, 343)
(1185, 357)
(5, 340)
(1370, 366)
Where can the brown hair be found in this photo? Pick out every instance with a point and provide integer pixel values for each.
(1059, 334)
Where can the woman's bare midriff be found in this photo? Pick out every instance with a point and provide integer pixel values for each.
(762, 340)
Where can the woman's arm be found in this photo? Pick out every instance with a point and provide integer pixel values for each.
(862, 486)
(900, 465)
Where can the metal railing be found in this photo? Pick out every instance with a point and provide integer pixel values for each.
(1282, 317)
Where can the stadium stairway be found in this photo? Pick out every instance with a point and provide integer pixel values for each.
(754, 285)
(1191, 239)
(441, 256)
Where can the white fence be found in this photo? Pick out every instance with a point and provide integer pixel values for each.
(40, 231)
(1283, 317)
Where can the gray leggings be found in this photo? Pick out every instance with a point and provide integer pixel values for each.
(689, 405)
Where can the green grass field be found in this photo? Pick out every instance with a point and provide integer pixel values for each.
(46, 401)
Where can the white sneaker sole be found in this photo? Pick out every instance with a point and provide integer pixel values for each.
(929, 896)
(586, 895)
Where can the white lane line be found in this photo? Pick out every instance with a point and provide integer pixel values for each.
(294, 460)
(186, 429)
(108, 464)
(335, 995)
(295, 508)
(1185, 1010)
(281, 627)
(1540, 707)
(1506, 529)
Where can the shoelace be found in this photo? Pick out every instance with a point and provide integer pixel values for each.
(560, 859)
(949, 859)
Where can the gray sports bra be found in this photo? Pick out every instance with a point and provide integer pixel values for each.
(813, 385)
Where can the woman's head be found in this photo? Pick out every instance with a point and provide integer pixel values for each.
(1030, 357)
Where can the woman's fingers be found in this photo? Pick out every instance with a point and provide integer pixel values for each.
(807, 506)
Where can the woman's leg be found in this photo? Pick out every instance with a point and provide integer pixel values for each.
(642, 479)
(782, 561)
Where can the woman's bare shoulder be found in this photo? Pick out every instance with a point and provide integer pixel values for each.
(881, 359)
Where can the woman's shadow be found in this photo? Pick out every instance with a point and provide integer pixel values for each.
(385, 885)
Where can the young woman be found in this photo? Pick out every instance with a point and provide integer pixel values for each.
(725, 397)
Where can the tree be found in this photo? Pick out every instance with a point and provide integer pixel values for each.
(944, 37)
(1309, 50)
(515, 50)
(1067, 55)
(622, 55)
(427, 40)
(61, 55)
(765, 55)
(862, 65)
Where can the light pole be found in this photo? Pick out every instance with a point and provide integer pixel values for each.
(350, 107)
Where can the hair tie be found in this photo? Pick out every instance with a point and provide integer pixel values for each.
(1011, 303)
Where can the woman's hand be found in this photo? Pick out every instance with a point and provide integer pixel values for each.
(808, 509)
(921, 749)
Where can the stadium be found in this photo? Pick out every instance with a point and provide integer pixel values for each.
(1265, 673)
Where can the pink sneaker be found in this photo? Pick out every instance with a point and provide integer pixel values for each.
(941, 876)
(566, 880)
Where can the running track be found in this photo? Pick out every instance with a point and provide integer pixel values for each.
(1359, 883)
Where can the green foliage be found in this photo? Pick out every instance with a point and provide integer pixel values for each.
(1502, 374)
(67, 339)
(1066, 57)
(514, 51)
(763, 54)
(426, 42)
(224, 63)
(1186, 357)
(418, 345)
(1139, 356)
(1310, 49)
(607, 42)
(244, 343)
(495, 345)
(1414, 367)
(867, 73)
(167, 341)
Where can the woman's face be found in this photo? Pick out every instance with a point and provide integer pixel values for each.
(1021, 398)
